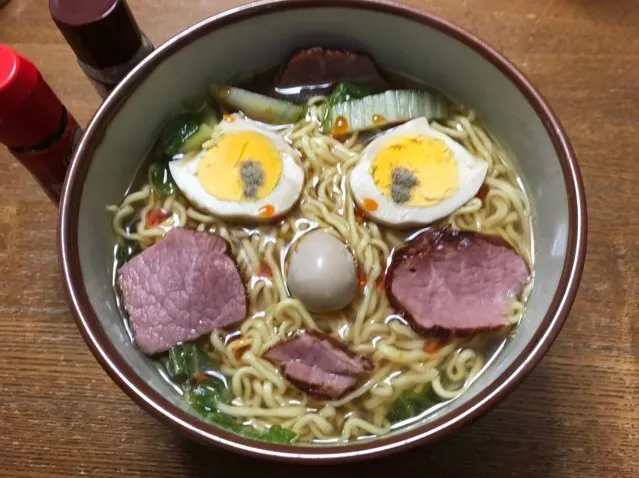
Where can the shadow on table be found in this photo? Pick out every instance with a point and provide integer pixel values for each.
(519, 438)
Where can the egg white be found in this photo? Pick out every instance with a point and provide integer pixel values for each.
(283, 197)
(472, 172)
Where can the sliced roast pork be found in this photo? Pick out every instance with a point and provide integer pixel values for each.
(183, 287)
(318, 382)
(319, 364)
(450, 281)
(315, 71)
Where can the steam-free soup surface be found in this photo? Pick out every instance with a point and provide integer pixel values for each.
(309, 258)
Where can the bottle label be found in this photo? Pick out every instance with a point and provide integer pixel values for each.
(49, 165)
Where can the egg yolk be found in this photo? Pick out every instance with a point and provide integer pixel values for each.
(416, 171)
(240, 167)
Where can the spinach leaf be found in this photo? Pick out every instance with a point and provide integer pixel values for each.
(275, 434)
(175, 133)
(186, 360)
(204, 396)
(408, 405)
(347, 91)
(161, 180)
(184, 363)
(224, 421)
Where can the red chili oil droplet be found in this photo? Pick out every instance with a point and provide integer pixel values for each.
(361, 276)
(238, 352)
(340, 126)
(378, 119)
(370, 204)
(263, 270)
(433, 346)
(200, 377)
(267, 211)
(157, 216)
(359, 215)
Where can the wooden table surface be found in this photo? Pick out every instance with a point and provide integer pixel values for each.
(576, 416)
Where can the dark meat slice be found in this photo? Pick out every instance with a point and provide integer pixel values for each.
(183, 287)
(315, 71)
(319, 364)
(318, 383)
(449, 281)
(321, 351)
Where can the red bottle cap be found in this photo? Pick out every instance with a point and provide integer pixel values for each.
(30, 112)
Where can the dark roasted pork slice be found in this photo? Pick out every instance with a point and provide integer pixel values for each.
(183, 287)
(321, 351)
(319, 365)
(449, 281)
(321, 69)
(317, 382)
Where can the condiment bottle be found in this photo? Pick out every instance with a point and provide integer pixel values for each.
(104, 36)
(34, 125)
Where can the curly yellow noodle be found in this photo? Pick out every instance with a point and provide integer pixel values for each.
(402, 362)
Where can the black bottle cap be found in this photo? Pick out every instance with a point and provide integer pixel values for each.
(102, 33)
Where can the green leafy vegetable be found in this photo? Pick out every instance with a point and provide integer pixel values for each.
(161, 180)
(204, 398)
(348, 92)
(185, 132)
(408, 405)
(186, 361)
(175, 133)
(256, 106)
(194, 143)
(275, 434)
(390, 107)
(222, 420)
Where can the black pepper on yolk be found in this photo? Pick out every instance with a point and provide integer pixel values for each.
(220, 172)
(434, 171)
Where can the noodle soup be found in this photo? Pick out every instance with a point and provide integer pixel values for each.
(412, 368)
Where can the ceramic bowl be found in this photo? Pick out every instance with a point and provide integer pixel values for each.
(254, 38)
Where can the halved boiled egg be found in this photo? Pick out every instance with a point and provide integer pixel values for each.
(248, 172)
(415, 175)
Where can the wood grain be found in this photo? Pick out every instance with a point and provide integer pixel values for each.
(577, 415)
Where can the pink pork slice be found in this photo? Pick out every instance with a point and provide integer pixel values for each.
(451, 281)
(322, 66)
(319, 364)
(318, 382)
(319, 350)
(183, 287)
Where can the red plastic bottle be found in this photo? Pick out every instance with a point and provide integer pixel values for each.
(34, 124)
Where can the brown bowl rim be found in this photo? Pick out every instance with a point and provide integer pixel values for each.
(197, 429)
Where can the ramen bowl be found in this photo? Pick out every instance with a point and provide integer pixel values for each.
(254, 38)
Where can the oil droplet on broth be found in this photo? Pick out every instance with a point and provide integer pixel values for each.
(267, 211)
(370, 204)
(340, 126)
